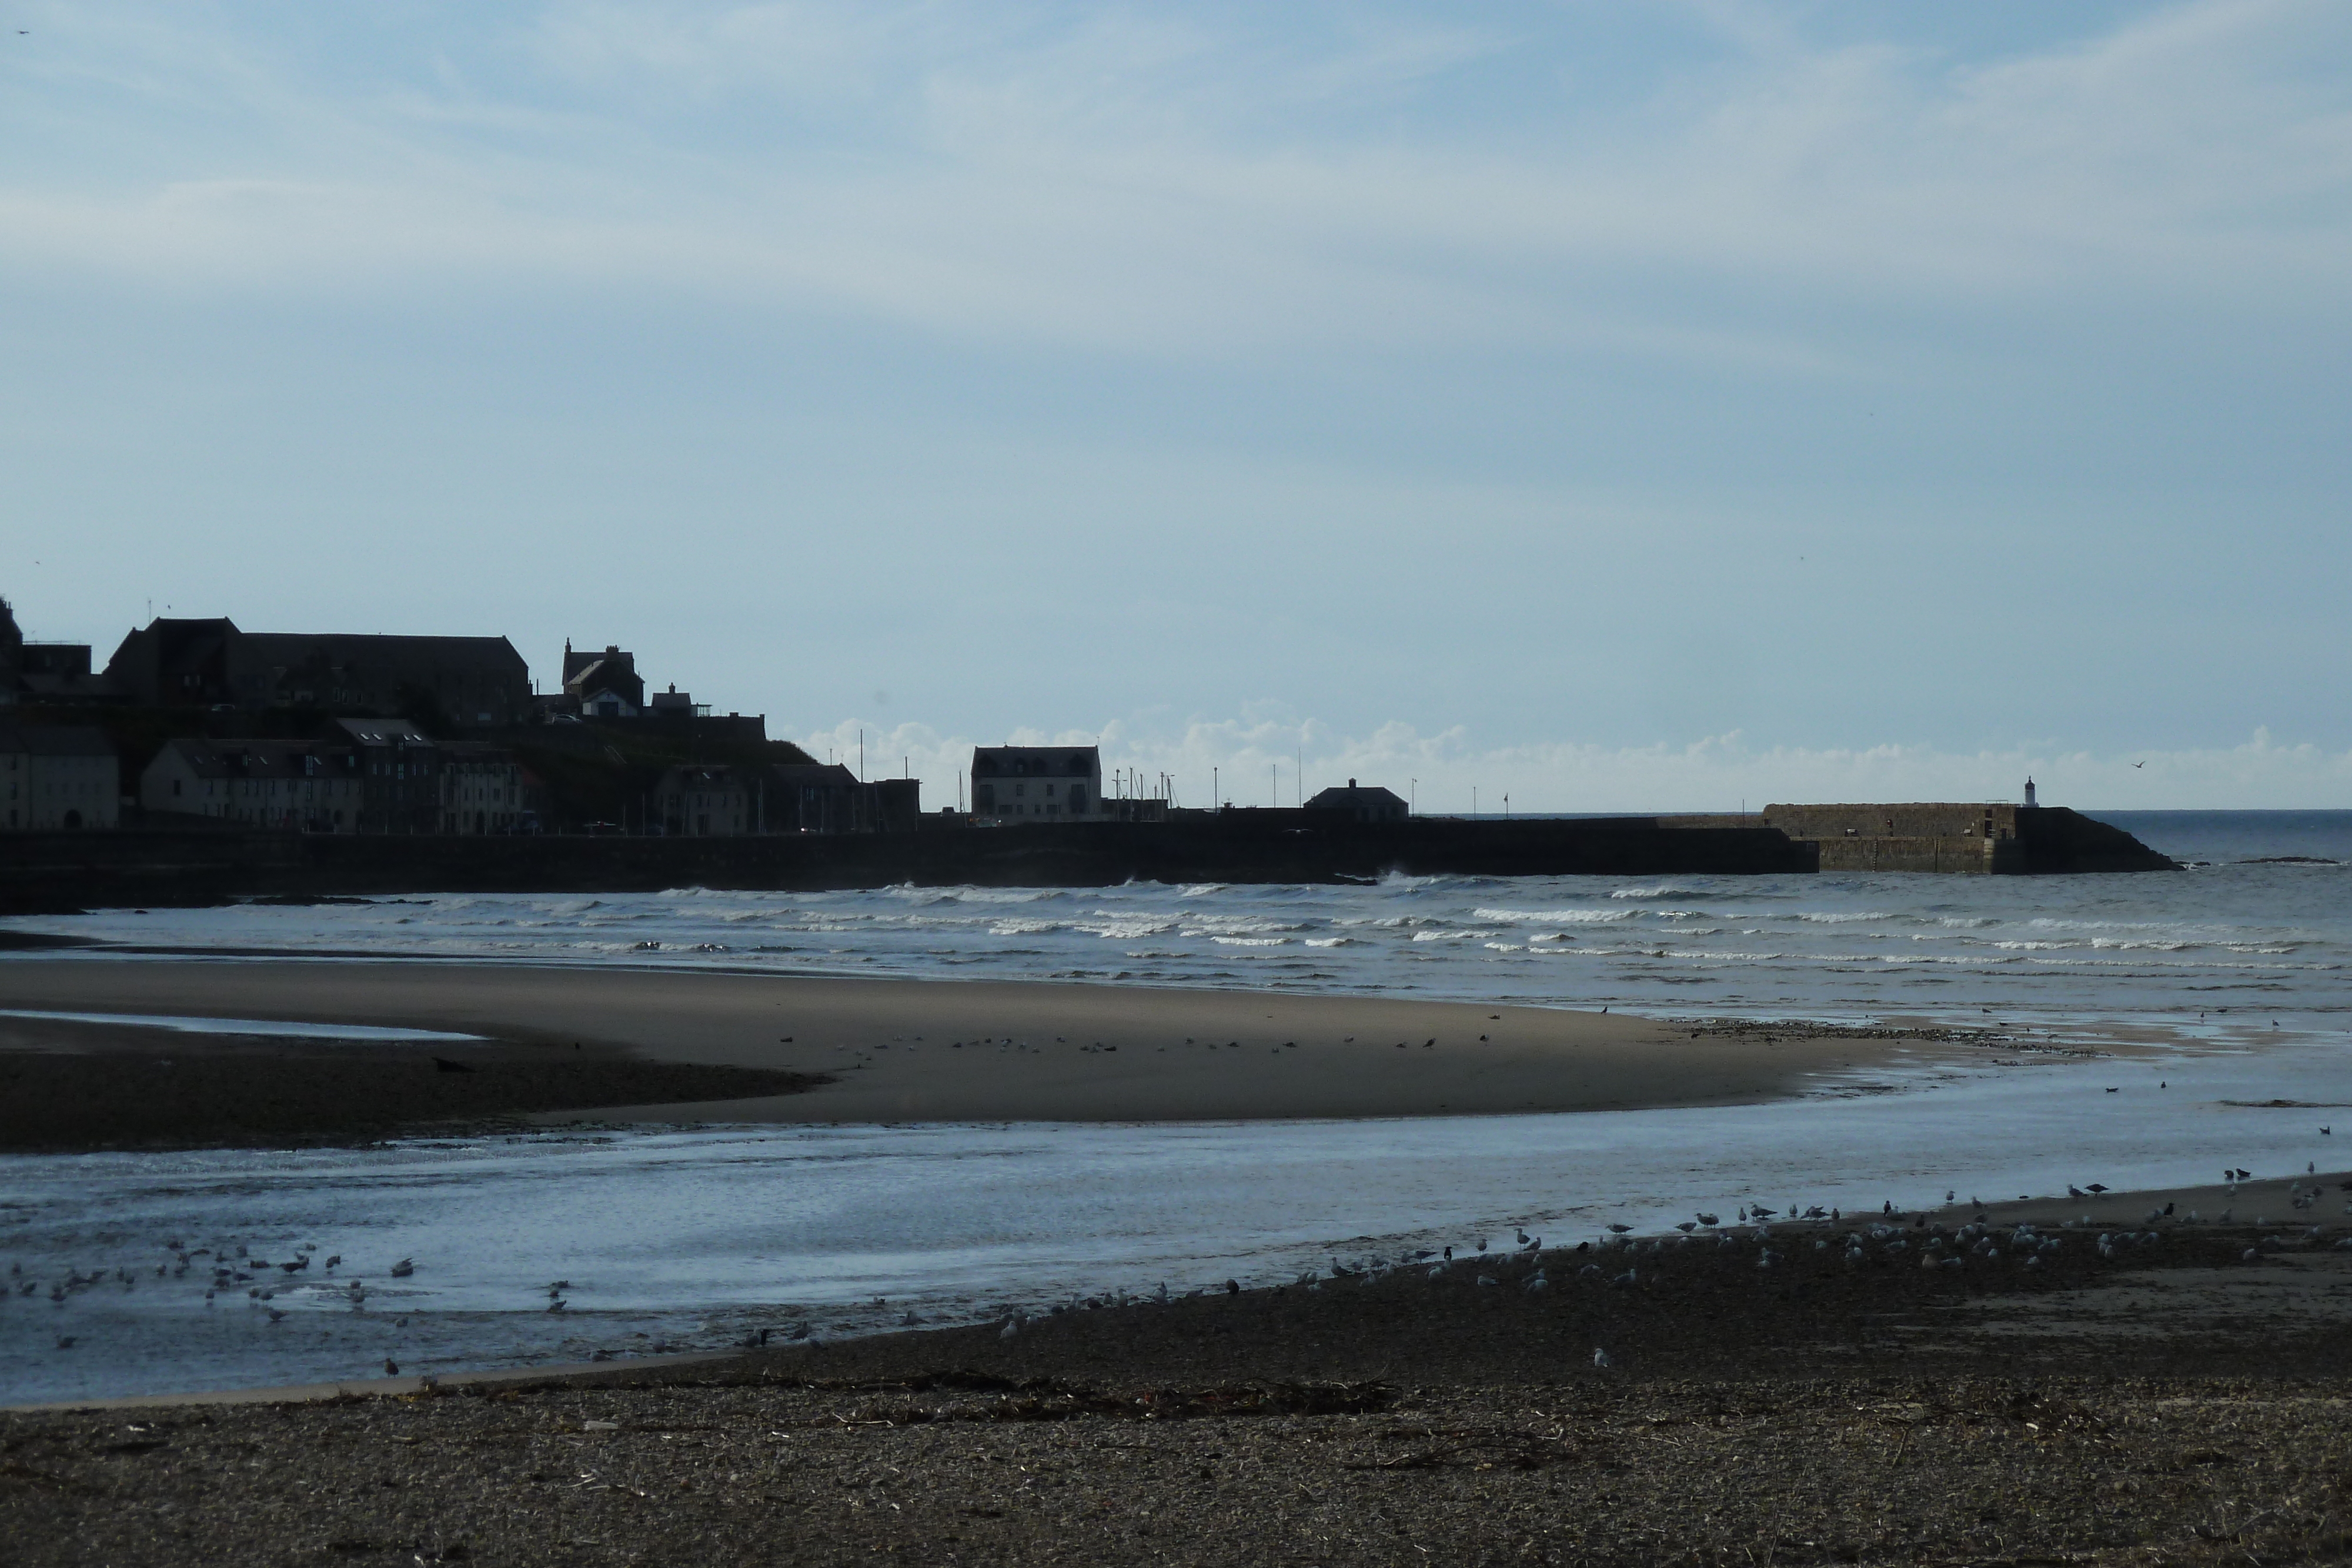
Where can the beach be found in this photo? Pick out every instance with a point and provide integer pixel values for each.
(2174, 1396)
(596, 1039)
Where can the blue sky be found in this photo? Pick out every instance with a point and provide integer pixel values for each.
(1614, 406)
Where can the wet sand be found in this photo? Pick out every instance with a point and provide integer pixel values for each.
(1814, 1406)
(945, 1050)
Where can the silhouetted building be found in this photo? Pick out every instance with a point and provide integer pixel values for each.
(714, 802)
(12, 654)
(605, 685)
(399, 769)
(58, 777)
(45, 672)
(1036, 783)
(456, 682)
(727, 802)
(1368, 804)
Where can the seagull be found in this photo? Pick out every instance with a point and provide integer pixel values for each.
(391, 1367)
(1600, 1358)
(1618, 1230)
(404, 1268)
(2139, 765)
(2096, 1188)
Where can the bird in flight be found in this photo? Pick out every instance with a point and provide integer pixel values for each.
(2139, 765)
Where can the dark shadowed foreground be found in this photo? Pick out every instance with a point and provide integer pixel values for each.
(176, 1095)
(2179, 1400)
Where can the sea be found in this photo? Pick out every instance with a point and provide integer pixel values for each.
(2238, 967)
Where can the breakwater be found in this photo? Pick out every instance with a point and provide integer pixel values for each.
(44, 872)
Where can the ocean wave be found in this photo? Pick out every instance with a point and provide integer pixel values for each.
(1837, 918)
(1664, 889)
(1124, 931)
(1252, 941)
(1332, 942)
(1556, 916)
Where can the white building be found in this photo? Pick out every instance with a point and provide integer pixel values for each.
(301, 784)
(1036, 783)
(482, 791)
(58, 777)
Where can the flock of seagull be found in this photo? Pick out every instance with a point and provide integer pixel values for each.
(1615, 1258)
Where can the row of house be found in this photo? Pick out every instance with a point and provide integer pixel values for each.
(359, 776)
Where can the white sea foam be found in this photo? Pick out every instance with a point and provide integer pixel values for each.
(1786, 946)
(1557, 916)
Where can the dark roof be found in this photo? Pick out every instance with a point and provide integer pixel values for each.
(1338, 797)
(703, 776)
(383, 732)
(1035, 761)
(253, 758)
(55, 740)
(812, 775)
(257, 646)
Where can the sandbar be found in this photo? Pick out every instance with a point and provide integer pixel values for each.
(902, 1049)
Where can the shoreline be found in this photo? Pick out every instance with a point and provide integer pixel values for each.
(2171, 1402)
(2229, 1224)
(896, 1050)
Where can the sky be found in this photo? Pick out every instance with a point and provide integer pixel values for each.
(1608, 406)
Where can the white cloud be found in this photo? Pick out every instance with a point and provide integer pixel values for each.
(1120, 181)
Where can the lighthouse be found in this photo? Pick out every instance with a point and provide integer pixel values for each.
(2029, 791)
